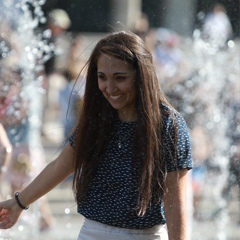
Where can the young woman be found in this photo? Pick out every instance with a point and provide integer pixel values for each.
(130, 152)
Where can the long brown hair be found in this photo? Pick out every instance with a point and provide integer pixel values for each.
(97, 118)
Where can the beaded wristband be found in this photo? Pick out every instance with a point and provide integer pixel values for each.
(19, 203)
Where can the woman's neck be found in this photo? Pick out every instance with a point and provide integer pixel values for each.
(130, 117)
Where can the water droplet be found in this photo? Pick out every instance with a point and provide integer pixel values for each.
(67, 211)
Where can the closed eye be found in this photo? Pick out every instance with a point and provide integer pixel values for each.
(101, 77)
(120, 78)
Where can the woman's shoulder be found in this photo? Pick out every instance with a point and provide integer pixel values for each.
(171, 116)
(168, 111)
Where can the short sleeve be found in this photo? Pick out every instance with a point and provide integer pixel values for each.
(180, 158)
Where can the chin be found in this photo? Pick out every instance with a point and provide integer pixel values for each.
(115, 107)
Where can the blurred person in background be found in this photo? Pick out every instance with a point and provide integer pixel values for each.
(14, 109)
(58, 23)
(217, 28)
(14, 112)
(73, 91)
(169, 59)
(141, 26)
(56, 66)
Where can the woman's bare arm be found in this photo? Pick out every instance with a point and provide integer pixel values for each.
(175, 204)
(53, 174)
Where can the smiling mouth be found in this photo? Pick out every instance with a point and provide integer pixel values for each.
(115, 97)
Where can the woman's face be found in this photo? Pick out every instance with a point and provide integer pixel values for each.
(116, 80)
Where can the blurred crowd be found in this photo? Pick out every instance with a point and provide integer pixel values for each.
(62, 86)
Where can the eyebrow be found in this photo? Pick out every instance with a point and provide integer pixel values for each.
(120, 73)
(116, 73)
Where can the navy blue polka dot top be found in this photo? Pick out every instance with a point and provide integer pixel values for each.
(112, 194)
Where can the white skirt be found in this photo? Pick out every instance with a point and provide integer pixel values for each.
(92, 230)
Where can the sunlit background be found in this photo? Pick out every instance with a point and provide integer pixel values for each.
(196, 51)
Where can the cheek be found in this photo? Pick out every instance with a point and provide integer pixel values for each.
(101, 86)
(134, 93)
(126, 87)
(130, 88)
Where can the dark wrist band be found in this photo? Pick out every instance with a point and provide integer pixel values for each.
(19, 203)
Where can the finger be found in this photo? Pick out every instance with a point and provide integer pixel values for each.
(5, 224)
(3, 217)
(9, 225)
(3, 210)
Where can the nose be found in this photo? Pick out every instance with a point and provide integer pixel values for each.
(111, 87)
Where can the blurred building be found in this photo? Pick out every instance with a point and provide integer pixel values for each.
(181, 16)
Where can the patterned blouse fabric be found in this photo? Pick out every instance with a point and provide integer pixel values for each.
(112, 194)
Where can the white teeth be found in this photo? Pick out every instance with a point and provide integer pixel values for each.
(115, 97)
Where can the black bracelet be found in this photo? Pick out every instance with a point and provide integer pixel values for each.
(19, 203)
